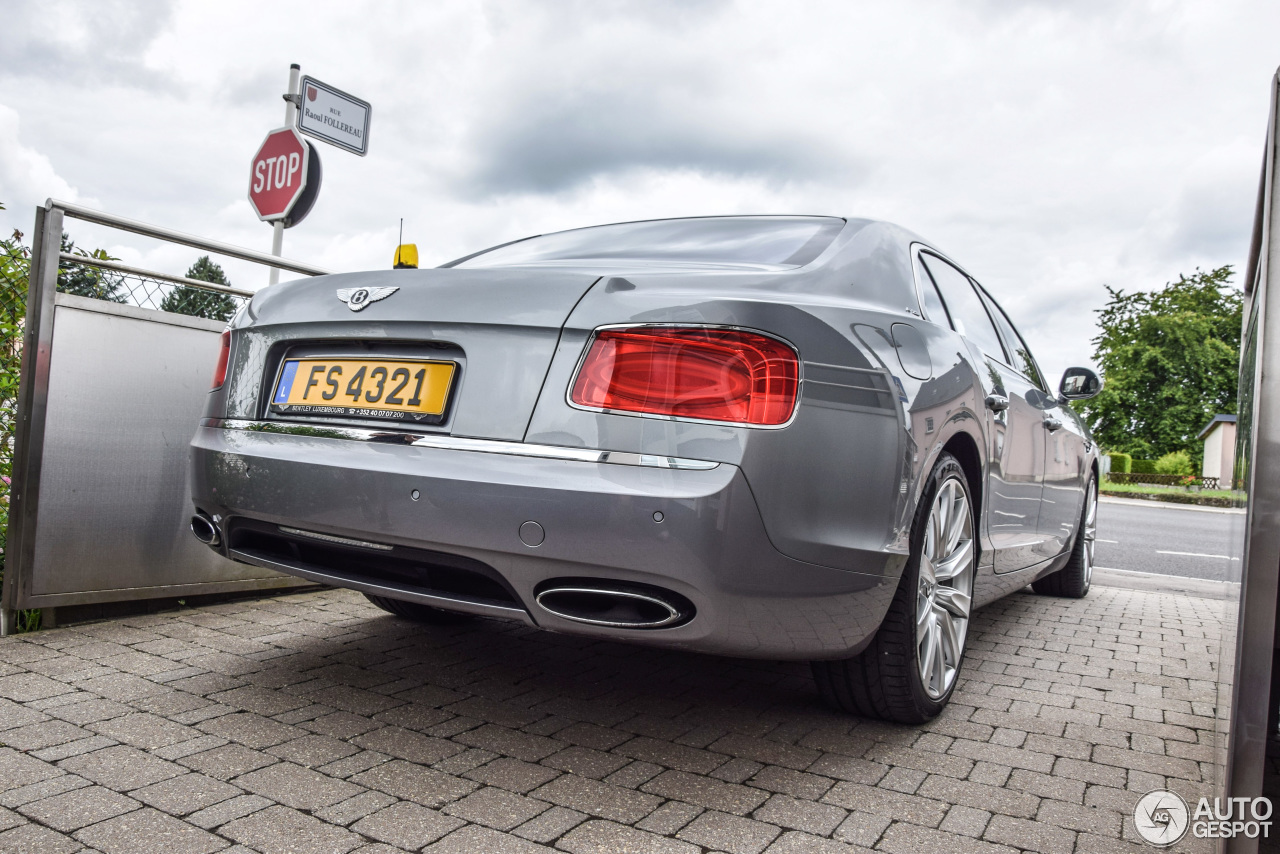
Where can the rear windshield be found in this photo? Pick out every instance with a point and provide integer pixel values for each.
(769, 241)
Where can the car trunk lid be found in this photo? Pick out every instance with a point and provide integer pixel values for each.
(500, 327)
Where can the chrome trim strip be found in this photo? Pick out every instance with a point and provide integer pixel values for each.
(330, 538)
(458, 443)
(507, 612)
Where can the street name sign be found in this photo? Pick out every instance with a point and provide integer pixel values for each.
(334, 116)
(278, 175)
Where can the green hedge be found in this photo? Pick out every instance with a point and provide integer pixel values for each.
(1120, 463)
(1143, 467)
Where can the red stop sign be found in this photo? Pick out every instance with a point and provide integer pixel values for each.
(278, 174)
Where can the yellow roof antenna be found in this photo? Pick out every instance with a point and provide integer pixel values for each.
(406, 257)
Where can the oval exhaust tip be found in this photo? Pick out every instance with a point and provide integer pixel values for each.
(204, 529)
(615, 608)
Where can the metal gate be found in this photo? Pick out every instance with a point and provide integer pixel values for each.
(1252, 741)
(110, 396)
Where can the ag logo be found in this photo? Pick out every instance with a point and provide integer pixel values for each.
(358, 298)
(1161, 817)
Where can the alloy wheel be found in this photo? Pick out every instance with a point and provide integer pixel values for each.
(944, 597)
(1090, 533)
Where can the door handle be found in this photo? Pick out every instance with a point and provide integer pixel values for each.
(997, 402)
(1052, 423)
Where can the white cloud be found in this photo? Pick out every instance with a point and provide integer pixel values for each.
(1051, 148)
(27, 177)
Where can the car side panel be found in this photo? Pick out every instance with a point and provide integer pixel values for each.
(1067, 469)
(1015, 482)
(944, 404)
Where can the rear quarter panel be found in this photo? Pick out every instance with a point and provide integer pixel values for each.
(840, 482)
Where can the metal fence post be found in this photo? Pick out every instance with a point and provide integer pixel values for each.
(42, 282)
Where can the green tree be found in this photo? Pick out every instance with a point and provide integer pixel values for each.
(1170, 359)
(15, 260)
(85, 281)
(186, 299)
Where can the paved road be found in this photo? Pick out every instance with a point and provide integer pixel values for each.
(317, 723)
(1170, 539)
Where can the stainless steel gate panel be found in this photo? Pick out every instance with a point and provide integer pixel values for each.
(126, 388)
(110, 397)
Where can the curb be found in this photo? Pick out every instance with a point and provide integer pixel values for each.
(1173, 498)
(1168, 505)
(1202, 588)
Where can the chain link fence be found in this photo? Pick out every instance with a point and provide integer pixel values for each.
(91, 278)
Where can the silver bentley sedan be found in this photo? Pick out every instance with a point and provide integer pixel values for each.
(785, 437)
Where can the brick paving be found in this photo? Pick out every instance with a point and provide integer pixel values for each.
(316, 723)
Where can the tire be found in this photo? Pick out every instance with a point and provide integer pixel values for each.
(927, 623)
(1073, 580)
(417, 612)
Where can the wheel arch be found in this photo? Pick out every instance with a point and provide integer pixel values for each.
(964, 448)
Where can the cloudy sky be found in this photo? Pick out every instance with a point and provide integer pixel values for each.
(1051, 148)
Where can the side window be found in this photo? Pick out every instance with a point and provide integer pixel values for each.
(1022, 359)
(968, 315)
(933, 308)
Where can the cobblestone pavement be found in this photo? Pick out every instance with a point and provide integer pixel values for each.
(317, 723)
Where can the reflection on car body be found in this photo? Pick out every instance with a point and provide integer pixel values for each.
(781, 437)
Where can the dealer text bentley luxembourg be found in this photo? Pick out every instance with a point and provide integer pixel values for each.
(767, 436)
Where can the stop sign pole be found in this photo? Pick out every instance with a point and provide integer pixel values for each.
(290, 115)
(285, 176)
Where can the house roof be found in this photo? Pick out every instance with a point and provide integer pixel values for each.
(1217, 419)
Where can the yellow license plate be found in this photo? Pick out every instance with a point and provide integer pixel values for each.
(398, 390)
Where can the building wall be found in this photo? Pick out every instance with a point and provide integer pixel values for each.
(1212, 464)
(1228, 454)
(1220, 453)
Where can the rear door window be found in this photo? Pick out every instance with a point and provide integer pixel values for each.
(929, 300)
(968, 315)
(1021, 353)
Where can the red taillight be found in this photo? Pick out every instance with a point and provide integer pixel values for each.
(220, 372)
(712, 374)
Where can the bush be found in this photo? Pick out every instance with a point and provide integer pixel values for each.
(1120, 463)
(14, 260)
(1177, 462)
(1143, 466)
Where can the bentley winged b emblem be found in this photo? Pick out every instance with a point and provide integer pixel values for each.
(358, 298)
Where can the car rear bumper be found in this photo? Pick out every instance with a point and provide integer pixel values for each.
(305, 504)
